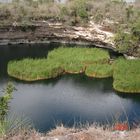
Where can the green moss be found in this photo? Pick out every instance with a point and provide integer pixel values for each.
(127, 76)
(99, 70)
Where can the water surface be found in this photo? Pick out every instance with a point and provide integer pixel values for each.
(69, 99)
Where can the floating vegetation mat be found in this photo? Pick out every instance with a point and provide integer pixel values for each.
(99, 70)
(127, 76)
(59, 61)
(94, 62)
(34, 69)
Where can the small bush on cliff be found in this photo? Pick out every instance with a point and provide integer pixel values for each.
(125, 42)
(128, 41)
(78, 11)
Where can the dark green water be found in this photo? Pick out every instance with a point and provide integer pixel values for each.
(69, 99)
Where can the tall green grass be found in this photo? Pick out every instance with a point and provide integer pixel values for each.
(34, 69)
(4, 100)
(83, 55)
(10, 124)
(127, 76)
(59, 61)
(93, 61)
(74, 60)
(99, 70)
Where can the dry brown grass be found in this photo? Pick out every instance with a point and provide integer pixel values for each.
(90, 133)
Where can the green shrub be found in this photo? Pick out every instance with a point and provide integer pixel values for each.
(127, 40)
(4, 100)
(135, 29)
(80, 8)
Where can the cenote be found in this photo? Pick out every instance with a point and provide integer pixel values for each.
(70, 100)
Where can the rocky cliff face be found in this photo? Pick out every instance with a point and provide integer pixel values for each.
(42, 32)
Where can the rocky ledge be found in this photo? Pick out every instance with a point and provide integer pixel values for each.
(44, 32)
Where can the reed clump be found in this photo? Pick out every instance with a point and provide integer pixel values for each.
(127, 75)
(34, 69)
(94, 62)
(99, 70)
(59, 61)
(75, 60)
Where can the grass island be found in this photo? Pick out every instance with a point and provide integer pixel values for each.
(94, 62)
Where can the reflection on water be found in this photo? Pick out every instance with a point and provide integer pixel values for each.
(12, 52)
(69, 99)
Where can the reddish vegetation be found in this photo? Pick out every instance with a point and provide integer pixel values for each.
(121, 127)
